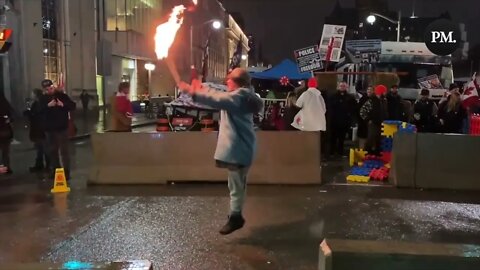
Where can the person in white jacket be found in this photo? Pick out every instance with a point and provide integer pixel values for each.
(311, 116)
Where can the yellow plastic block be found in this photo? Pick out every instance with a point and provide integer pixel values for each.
(356, 156)
(351, 160)
(60, 184)
(358, 178)
(388, 130)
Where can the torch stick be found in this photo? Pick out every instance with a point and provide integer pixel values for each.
(173, 70)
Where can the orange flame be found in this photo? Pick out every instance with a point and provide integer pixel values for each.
(167, 32)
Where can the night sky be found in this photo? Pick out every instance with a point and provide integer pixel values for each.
(282, 26)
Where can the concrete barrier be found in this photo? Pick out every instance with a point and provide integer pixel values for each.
(381, 255)
(127, 265)
(283, 157)
(433, 161)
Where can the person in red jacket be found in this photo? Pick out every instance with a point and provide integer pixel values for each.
(122, 111)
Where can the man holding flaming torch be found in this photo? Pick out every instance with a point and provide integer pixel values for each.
(236, 139)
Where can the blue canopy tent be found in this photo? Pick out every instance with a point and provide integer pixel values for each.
(286, 68)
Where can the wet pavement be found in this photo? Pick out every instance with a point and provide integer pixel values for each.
(176, 226)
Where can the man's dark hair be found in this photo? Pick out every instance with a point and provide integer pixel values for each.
(243, 79)
(123, 85)
(394, 86)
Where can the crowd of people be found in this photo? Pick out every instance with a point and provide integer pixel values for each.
(335, 115)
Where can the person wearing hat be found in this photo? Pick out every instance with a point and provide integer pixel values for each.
(311, 116)
(236, 137)
(56, 106)
(424, 112)
(374, 112)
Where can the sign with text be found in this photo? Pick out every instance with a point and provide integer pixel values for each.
(364, 50)
(332, 42)
(430, 82)
(308, 59)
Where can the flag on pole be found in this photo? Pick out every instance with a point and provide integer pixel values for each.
(206, 55)
(470, 96)
(237, 57)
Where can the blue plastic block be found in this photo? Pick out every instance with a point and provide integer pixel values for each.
(373, 164)
(361, 171)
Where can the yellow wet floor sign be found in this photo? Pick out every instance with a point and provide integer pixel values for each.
(60, 184)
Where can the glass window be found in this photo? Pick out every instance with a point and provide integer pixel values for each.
(123, 15)
(49, 19)
(115, 15)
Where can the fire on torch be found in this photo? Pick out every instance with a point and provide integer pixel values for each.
(165, 36)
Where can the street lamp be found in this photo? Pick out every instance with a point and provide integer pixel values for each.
(215, 24)
(373, 17)
(149, 67)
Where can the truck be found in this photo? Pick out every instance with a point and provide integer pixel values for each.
(410, 60)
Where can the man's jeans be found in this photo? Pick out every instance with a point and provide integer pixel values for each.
(57, 144)
(237, 184)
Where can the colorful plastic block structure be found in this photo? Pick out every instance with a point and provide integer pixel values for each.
(377, 168)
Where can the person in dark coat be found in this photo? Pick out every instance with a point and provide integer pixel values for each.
(85, 98)
(37, 132)
(451, 114)
(6, 132)
(362, 131)
(424, 112)
(56, 106)
(374, 112)
(342, 110)
(396, 109)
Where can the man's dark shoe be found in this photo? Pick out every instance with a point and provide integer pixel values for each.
(234, 223)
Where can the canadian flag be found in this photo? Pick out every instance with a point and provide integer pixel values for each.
(470, 93)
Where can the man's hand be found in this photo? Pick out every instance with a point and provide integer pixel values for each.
(60, 103)
(3, 169)
(52, 103)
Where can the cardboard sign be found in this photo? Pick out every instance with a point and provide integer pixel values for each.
(332, 42)
(308, 59)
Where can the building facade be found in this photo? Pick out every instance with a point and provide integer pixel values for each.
(94, 45)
